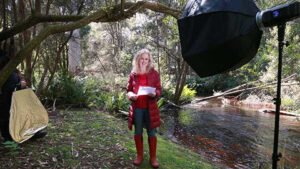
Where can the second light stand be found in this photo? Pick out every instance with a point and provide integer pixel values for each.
(281, 43)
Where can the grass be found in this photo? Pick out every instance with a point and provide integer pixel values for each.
(91, 139)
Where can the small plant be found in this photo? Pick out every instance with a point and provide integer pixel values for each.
(12, 146)
(110, 103)
(161, 102)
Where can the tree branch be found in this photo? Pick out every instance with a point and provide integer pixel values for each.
(114, 14)
(33, 20)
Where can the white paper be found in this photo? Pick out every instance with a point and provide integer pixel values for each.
(145, 90)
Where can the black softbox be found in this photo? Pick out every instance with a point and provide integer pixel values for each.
(218, 35)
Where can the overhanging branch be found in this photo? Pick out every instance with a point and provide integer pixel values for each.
(116, 13)
(112, 14)
(33, 20)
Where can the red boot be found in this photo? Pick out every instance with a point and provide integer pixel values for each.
(139, 149)
(152, 148)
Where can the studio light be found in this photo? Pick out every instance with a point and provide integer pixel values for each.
(278, 15)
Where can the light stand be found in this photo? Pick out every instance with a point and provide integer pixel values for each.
(278, 16)
(276, 156)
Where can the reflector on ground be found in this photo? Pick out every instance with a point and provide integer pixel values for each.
(27, 115)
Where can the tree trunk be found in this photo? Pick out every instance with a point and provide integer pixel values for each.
(4, 22)
(41, 84)
(37, 9)
(26, 38)
(180, 83)
(74, 54)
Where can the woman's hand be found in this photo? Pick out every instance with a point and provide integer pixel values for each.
(152, 95)
(23, 84)
(132, 96)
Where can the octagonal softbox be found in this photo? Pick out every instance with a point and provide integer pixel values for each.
(218, 35)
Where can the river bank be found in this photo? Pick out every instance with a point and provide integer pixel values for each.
(262, 107)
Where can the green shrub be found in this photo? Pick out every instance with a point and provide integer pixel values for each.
(95, 92)
(168, 93)
(287, 103)
(122, 103)
(66, 91)
(117, 101)
(187, 94)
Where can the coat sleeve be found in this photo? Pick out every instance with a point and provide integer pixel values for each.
(130, 84)
(130, 89)
(158, 85)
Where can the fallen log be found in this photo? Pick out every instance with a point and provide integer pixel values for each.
(272, 111)
(242, 90)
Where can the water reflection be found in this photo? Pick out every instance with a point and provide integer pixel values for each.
(233, 137)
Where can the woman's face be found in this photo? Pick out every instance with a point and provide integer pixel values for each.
(144, 61)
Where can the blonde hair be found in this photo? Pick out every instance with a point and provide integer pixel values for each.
(135, 63)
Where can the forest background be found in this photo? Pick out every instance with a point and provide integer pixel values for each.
(36, 36)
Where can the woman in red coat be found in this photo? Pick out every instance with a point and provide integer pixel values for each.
(143, 90)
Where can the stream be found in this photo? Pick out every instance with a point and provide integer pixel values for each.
(233, 137)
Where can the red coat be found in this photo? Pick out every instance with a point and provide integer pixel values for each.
(132, 86)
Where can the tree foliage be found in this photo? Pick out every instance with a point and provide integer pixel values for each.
(68, 23)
